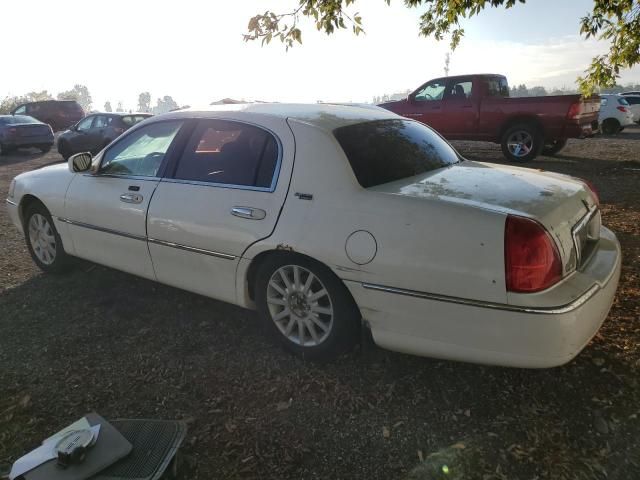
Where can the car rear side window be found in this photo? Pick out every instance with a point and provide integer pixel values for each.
(383, 151)
(131, 120)
(229, 153)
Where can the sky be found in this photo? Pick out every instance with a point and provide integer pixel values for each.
(193, 50)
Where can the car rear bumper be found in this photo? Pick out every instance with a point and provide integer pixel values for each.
(585, 130)
(509, 335)
(30, 141)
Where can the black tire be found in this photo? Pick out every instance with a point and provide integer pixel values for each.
(64, 150)
(610, 126)
(555, 147)
(45, 148)
(343, 330)
(532, 142)
(61, 261)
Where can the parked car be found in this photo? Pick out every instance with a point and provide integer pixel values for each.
(381, 223)
(96, 131)
(59, 114)
(635, 92)
(478, 107)
(615, 113)
(22, 131)
(634, 106)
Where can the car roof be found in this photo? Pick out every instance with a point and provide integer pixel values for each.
(323, 115)
(120, 114)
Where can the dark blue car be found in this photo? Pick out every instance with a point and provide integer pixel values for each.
(18, 131)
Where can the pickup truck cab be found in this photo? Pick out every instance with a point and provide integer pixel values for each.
(478, 107)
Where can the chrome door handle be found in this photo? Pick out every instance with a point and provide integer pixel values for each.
(248, 212)
(131, 198)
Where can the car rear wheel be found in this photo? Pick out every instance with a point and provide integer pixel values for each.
(306, 307)
(610, 126)
(554, 147)
(521, 142)
(43, 241)
(44, 148)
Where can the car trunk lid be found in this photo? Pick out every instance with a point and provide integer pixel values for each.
(560, 203)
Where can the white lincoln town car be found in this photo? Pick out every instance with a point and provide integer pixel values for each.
(327, 219)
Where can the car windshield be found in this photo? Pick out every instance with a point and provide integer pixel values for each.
(383, 151)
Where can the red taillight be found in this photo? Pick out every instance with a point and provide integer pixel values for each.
(574, 110)
(622, 109)
(12, 131)
(532, 261)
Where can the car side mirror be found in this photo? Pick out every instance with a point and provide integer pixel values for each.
(80, 162)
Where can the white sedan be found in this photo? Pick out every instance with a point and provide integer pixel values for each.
(328, 219)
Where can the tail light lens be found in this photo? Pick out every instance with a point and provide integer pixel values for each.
(532, 261)
(622, 109)
(574, 110)
(12, 131)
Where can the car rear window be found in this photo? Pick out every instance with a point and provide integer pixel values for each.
(71, 106)
(623, 101)
(133, 119)
(24, 119)
(384, 151)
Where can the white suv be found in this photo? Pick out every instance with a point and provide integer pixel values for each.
(615, 113)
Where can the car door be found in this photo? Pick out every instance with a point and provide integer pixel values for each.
(106, 210)
(224, 193)
(81, 139)
(96, 137)
(425, 104)
(459, 109)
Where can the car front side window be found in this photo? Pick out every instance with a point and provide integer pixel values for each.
(229, 153)
(142, 152)
(432, 91)
(85, 124)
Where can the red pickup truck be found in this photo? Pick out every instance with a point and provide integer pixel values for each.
(478, 107)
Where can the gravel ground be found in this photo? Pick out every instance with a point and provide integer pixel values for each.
(101, 340)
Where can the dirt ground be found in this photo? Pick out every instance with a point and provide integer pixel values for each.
(101, 340)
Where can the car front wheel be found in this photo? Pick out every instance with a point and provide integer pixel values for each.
(43, 241)
(306, 307)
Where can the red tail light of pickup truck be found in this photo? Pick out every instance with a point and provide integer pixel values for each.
(532, 261)
(575, 110)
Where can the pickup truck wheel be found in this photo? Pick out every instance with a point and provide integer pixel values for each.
(555, 147)
(610, 126)
(43, 241)
(306, 307)
(521, 143)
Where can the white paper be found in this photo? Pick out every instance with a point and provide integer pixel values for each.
(46, 451)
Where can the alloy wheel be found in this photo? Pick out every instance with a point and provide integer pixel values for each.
(300, 305)
(42, 238)
(520, 143)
